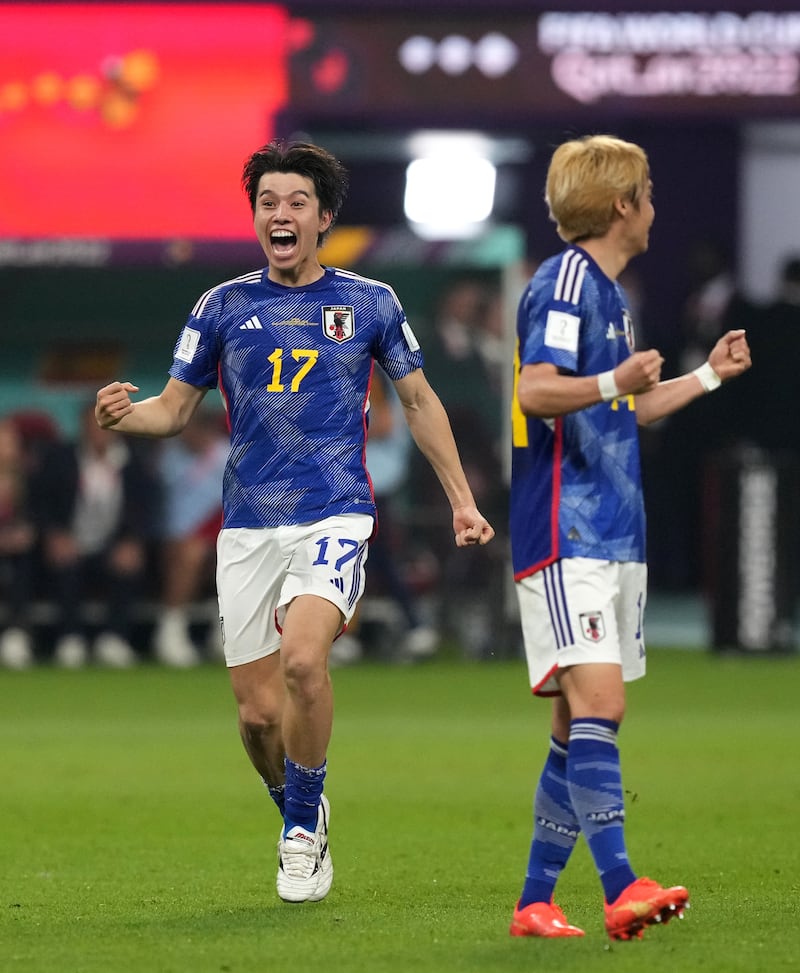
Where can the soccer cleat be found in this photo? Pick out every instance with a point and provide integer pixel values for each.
(114, 651)
(421, 642)
(305, 869)
(16, 649)
(644, 903)
(71, 652)
(542, 919)
(172, 644)
(345, 651)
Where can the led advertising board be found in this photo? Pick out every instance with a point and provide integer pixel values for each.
(551, 64)
(133, 120)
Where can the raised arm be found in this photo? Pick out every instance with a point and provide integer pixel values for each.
(430, 428)
(545, 392)
(159, 416)
(729, 358)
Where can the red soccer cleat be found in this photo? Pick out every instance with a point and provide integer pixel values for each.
(542, 919)
(644, 903)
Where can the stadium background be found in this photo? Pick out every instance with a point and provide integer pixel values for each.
(122, 149)
(135, 837)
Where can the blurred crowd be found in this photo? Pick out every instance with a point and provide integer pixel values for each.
(753, 420)
(420, 588)
(107, 543)
(95, 528)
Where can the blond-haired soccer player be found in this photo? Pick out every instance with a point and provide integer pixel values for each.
(578, 522)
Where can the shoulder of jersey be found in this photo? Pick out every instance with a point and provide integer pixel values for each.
(569, 271)
(253, 277)
(347, 276)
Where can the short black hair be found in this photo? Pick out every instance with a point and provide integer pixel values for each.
(306, 159)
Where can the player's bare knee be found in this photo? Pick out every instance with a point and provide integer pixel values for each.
(304, 675)
(256, 717)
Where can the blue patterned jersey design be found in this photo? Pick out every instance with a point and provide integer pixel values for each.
(294, 366)
(576, 488)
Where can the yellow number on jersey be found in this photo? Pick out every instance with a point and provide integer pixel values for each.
(308, 357)
(519, 422)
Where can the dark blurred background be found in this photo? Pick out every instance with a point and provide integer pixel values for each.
(120, 205)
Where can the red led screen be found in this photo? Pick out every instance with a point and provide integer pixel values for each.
(132, 121)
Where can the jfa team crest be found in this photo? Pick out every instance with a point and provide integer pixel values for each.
(338, 322)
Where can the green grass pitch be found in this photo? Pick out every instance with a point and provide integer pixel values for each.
(134, 835)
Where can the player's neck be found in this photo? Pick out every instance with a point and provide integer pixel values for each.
(607, 254)
(298, 276)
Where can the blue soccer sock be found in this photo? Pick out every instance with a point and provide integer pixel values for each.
(277, 793)
(555, 830)
(302, 795)
(595, 786)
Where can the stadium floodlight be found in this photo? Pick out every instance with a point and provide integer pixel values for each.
(449, 192)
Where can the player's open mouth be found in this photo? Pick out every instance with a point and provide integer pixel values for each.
(282, 241)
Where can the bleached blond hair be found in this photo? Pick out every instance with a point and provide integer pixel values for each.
(585, 178)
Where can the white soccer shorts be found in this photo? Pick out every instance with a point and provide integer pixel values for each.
(260, 571)
(581, 610)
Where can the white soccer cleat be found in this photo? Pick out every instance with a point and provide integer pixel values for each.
(421, 642)
(305, 869)
(16, 650)
(114, 652)
(345, 651)
(172, 644)
(71, 652)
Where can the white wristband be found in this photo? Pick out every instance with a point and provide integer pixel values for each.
(708, 377)
(607, 386)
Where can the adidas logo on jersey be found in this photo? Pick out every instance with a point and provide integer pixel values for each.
(611, 331)
(251, 324)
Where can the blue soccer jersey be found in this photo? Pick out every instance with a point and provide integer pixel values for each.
(576, 486)
(294, 366)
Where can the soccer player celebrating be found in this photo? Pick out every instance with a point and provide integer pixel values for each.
(292, 348)
(578, 523)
